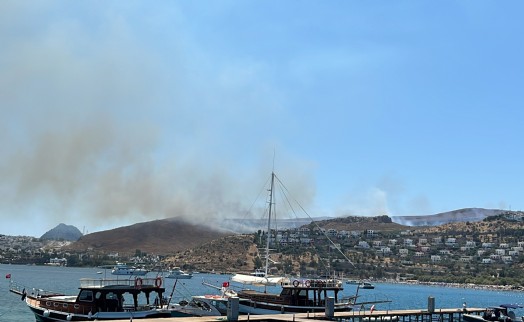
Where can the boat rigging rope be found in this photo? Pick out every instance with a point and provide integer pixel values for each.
(185, 290)
(313, 221)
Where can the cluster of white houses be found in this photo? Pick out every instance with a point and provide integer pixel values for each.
(435, 249)
(438, 249)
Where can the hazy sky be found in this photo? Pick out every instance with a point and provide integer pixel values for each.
(117, 112)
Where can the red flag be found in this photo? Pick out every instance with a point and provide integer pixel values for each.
(8, 275)
(225, 284)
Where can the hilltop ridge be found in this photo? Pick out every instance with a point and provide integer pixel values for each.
(167, 236)
(162, 236)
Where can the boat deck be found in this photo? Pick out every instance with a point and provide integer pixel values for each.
(439, 315)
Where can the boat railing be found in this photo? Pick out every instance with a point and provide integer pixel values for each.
(314, 283)
(137, 282)
(20, 289)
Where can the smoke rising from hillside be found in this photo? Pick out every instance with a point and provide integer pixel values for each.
(98, 173)
(101, 129)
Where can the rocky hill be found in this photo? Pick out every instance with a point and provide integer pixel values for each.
(233, 253)
(162, 237)
(63, 232)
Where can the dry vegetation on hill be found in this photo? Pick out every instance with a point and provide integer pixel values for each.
(163, 237)
(226, 254)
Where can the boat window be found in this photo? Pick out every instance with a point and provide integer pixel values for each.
(86, 296)
(112, 302)
(285, 291)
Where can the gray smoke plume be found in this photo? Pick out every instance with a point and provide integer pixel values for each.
(101, 128)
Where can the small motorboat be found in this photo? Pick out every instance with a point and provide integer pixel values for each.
(501, 313)
(177, 273)
(366, 286)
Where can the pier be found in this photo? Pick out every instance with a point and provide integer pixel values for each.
(423, 315)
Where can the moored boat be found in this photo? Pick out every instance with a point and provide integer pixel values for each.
(177, 273)
(104, 299)
(123, 269)
(219, 302)
(501, 313)
(296, 296)
(366, 286)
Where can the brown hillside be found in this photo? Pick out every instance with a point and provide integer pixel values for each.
(162, 237)
(230, 254)
(494, 226)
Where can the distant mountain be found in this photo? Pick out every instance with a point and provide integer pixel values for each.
(460, 215)
(63, 232)
(163, 237)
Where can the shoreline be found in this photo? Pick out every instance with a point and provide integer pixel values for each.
(457, 285)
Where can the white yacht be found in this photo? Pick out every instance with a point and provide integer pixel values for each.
(177, 273)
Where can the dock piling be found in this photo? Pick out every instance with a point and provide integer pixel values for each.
(330, 307)
(232, 308)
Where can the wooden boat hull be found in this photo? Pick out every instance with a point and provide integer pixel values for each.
(46, 315)
(259, 308)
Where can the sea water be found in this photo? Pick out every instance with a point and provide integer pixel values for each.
(402, 296)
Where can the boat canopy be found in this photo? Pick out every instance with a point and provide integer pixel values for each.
(511, 306)
(259, 280)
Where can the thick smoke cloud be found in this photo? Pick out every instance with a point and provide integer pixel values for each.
(100, 128)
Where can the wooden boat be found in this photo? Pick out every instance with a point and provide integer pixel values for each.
(106, 299)
(296, 296)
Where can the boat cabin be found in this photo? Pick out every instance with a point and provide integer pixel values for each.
(99, 295)
(299, 293)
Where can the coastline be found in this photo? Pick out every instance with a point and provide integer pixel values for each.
(457, 285)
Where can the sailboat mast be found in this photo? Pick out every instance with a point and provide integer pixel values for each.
(269, 221)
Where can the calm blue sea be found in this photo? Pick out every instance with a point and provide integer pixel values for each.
(66, 280)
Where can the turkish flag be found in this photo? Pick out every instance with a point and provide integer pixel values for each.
(8, 275)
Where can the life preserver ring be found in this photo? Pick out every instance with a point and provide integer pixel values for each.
(296, 283)
(158, 282)
(307, 283)
(138, 282)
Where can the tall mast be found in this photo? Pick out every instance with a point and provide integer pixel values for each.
(269, 221)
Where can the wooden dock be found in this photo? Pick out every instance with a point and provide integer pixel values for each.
(438, 315)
